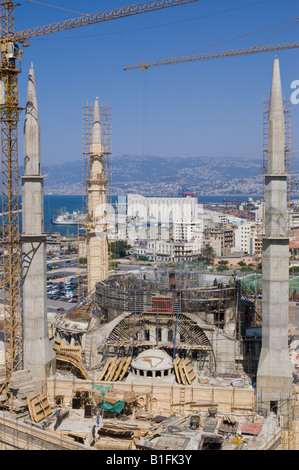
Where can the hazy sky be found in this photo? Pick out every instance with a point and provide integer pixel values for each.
(212, 107)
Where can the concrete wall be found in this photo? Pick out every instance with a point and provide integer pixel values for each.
(163, 397)
(223, 344)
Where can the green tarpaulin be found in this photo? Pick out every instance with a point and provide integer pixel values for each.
(118, 406)
(101, 388)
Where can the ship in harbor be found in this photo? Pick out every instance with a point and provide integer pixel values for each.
(67, 218)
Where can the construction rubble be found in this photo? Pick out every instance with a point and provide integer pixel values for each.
(102, 416)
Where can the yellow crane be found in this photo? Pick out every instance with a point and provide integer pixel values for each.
(213, 55)
(11, 55)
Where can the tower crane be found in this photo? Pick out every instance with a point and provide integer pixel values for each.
(213, 55)
(11, 56)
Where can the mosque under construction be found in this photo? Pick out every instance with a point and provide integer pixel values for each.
(159, 359)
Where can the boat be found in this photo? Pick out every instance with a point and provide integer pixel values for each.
(67, 218)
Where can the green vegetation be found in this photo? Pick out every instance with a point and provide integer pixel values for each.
(71, 249)
(208, 253)
(294, 269)
(222, 267)
(118, 249)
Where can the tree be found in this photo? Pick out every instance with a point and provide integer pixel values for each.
(222, 267)
(241, 263)
(208, 253)
(119, 249)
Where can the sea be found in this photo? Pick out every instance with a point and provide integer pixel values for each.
(53, 205)
(56, 204)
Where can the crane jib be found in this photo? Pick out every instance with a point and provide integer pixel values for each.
(85, 20)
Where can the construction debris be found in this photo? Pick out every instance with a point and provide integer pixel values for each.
(39, 408)
(115, 369)
(71, 355)
(184, 371)
(21, 387)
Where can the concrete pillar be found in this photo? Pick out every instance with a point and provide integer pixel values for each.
(274, 375)
(39, 356)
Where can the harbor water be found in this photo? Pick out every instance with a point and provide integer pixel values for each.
(57, 204)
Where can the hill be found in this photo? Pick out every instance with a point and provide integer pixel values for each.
(152, 175)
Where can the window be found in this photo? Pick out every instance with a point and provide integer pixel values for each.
(274, 406)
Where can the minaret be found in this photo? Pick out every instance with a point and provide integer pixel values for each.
(274, 375)
(39, 357)
(97, 246)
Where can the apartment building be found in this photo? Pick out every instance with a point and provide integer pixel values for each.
(245, 238)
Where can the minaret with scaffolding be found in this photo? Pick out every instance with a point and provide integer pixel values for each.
(96, 182)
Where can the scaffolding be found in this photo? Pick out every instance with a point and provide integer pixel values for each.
(157, 313)
(106, 123)
(87, 113)
(158, 292)
(96, 223)
(9, 117)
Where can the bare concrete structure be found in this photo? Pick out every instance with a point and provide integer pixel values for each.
(39, 357)
(274, 375)
(97, 246)
(136, 314)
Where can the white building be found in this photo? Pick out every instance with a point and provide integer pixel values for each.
(187, 230)
(245, 235)
(161, 228)
(139, 218)
(160, 209)
(158, 250)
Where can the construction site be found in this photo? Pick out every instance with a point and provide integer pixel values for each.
(158, 359)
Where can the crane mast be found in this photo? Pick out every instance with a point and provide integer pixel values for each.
(9, 116)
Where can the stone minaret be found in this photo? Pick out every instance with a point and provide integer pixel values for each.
(97, 246)
(274, 375)
(39, 357)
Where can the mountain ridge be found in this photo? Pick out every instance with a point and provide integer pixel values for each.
(149, 175)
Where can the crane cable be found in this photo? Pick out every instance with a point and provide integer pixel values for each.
(245, 35)
(59, 8)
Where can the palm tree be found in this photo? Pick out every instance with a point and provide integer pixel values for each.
(208, 253)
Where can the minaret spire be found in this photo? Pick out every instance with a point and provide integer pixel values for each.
(31, 129)
(276, 124)
(97, 247)
(39, 357)
(274, 375)
(96, 135)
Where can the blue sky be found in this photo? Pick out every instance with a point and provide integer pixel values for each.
(207, 108)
